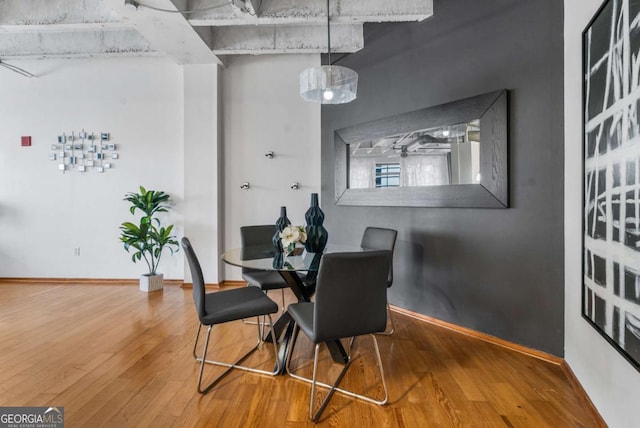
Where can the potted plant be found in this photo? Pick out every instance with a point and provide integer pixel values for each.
(148, 238)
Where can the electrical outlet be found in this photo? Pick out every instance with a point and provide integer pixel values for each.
(76, 251)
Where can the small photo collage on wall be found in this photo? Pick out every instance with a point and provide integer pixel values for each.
(84, 151)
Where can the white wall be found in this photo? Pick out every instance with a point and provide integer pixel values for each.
(45, 214)
(263, 112)
(609, 380)
(201, 167)
(164, 119)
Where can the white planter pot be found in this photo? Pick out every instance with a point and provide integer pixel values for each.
(150, 283)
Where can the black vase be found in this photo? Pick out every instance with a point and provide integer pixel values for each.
(281, 223)
(317, 235)
(278, 260)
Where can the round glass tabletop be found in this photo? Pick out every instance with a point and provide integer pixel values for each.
(266, 258)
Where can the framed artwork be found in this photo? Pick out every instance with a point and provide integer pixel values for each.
(75, 154)
(611, 176)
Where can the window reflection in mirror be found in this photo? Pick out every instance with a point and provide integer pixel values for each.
(427, 157)
(387, 174)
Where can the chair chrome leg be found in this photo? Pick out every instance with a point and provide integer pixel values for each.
(195, 345)
(203, 360)
(384, 382)
(333, 388)
(393, 327)
(278, 368)
(313, 381)
(292, 344)
(204, 356)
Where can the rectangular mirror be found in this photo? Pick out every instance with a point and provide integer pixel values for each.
(451, 155)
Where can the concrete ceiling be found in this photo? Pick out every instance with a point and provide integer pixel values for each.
(208, 31)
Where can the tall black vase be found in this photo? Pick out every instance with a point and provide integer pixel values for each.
(317, 235)
(281, 223)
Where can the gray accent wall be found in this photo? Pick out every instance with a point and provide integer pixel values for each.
(497, 271)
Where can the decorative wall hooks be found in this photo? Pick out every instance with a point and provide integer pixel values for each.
(245, 186)
(269, 155)
(295, 186)
(84, 151)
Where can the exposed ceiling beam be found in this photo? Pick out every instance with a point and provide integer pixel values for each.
(73, 44)
(39, 12)
(167, 32)
(77, 28)
(272, 39)
(288, 12)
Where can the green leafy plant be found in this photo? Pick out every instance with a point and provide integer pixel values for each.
(148, 238)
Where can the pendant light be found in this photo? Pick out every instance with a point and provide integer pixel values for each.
(328, 84)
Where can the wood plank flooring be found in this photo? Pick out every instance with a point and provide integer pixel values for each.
(114, 356)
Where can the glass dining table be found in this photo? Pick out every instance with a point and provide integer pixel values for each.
(299, 272)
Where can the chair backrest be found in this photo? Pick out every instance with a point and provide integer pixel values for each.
(351, 294)
(378, 238)
(196, 277)
(257, 237)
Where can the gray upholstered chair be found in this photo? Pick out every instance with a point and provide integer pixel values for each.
(351, 298)
(260, 237)
(378, 238)
(225, 306)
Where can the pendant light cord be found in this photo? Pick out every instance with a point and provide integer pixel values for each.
(328, 33)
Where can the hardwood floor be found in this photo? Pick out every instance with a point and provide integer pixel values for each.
(114, 356)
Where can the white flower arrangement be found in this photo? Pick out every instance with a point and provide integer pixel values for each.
(291, 235)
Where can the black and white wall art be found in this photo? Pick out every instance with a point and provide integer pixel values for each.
(611, 190)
